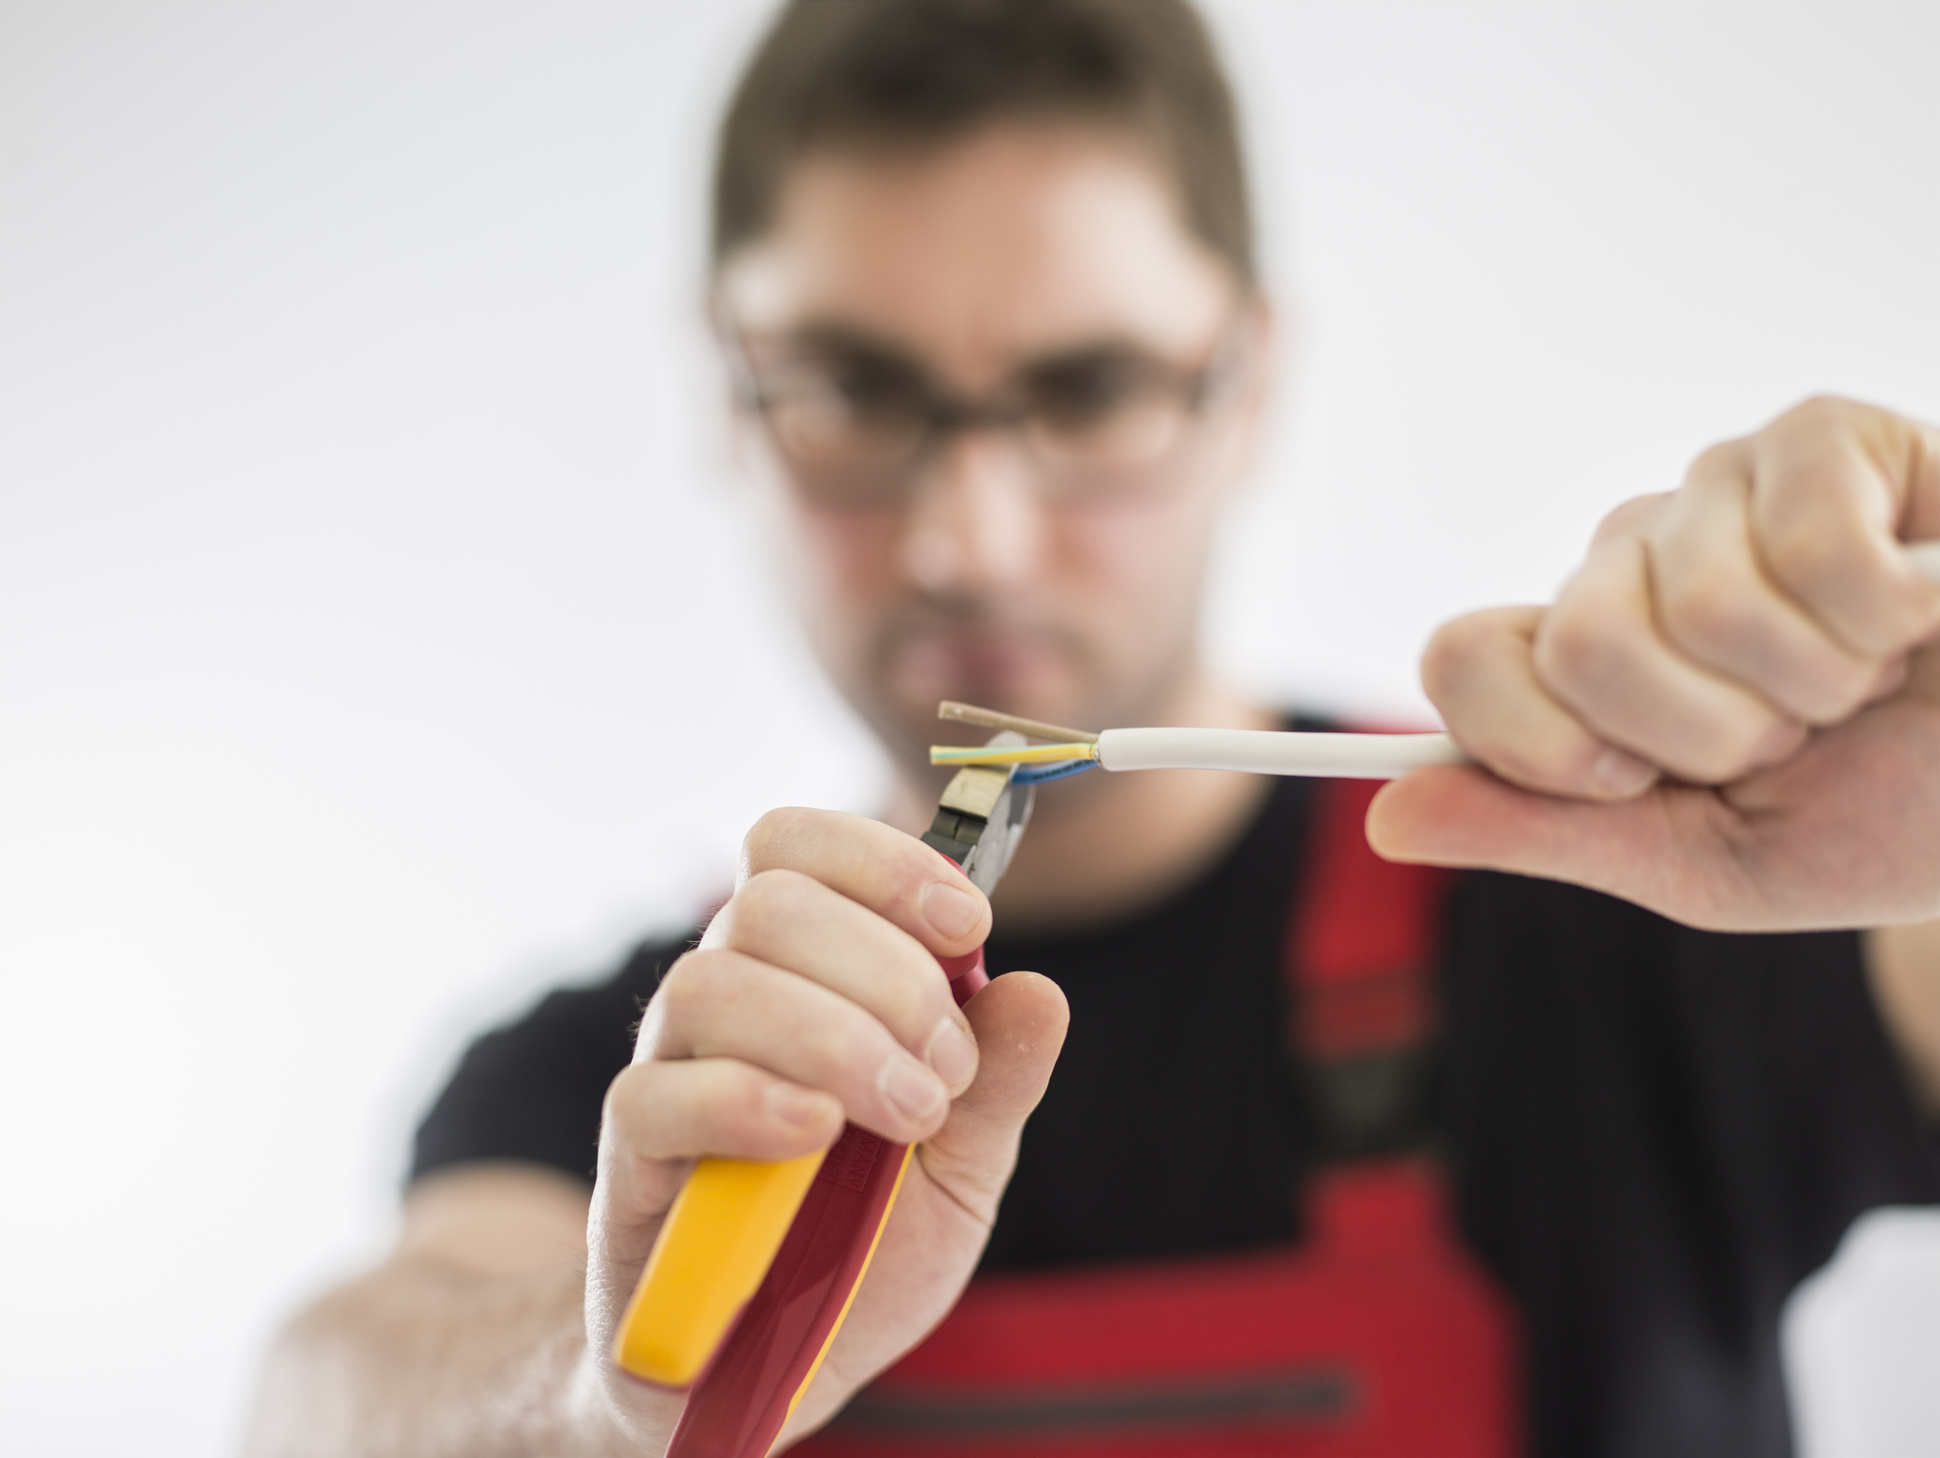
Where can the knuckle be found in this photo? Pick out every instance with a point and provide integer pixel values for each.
(653, 1113)
(1804, 557)
(1576, 651)
(626, 1095)
(735, 1099)
(1726, 743)
(1733, 752)
(835, 1054)
(901, 868)
(766, 902)
(1714, 462)
(1524, 763)
(1837, 701)
(1708, 612)
(1820, 412)
(1560, 756)
(689, 984)
(1630, 516)
(1467, 655)
(1841, 689)
(1726, 754)
(910, 999)
(1452, 653)
(769, 837)
(1821, 430)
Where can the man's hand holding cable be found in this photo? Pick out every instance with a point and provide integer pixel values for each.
(1731, 714)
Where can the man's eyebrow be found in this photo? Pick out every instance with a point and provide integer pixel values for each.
(1092, 352)
(846, 340)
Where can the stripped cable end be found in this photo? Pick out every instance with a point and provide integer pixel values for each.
(995, 754)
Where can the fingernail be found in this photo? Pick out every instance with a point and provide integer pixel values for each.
(789, 1104)
(949, 910)
(951, 1052)
(913, 1091)
(1621, 775)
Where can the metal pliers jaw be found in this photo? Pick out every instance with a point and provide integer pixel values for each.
(980, 818)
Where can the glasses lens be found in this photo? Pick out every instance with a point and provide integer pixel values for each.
(1135, 430)
(1104, 410)
(826, 427)
(847, 436)
(1111, 424)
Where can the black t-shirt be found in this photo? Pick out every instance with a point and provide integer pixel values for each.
(1655, 1132)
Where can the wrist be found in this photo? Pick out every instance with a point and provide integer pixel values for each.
(609, 1414)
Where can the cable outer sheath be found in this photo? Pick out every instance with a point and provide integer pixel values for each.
(1263, 752)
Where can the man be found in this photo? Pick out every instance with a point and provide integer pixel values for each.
(984, 282)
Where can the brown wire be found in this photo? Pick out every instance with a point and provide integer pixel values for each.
(1030, 728)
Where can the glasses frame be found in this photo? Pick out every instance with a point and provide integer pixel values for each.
(944, 415)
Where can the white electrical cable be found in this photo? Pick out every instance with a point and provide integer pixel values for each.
(1331, 756)
(1263, 752)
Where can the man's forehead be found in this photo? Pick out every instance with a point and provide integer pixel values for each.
(1015, 244)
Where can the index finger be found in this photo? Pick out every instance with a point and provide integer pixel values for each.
(1835, 485)
(893, 874)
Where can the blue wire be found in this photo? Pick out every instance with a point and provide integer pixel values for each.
(1030, 774)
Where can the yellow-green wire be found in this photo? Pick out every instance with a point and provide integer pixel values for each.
(1010, 754)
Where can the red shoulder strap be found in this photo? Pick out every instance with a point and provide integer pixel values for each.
(1363, 936)
(1375, 1338)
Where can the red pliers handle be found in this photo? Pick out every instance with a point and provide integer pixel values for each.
(731, 1213)
(744, 1398)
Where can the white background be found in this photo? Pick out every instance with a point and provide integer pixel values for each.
(379, 639)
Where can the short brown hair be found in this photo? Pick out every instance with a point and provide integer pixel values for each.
(923, 72)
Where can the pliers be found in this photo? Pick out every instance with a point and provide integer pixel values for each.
(758, 1261)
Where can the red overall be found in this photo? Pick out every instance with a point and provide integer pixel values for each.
(1376, 1336)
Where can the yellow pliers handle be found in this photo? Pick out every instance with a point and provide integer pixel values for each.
(719, 1240)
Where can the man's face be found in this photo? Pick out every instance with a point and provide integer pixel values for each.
(1002, 394)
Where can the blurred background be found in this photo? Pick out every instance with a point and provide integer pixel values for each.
(381, 639)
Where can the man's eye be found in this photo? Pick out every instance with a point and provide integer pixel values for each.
(1083, 393)
(873, 392)
(858, 387)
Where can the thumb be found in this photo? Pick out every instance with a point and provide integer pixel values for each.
(1655, 850)
(1020, 1021)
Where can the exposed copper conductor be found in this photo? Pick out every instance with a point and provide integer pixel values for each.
(974, 789)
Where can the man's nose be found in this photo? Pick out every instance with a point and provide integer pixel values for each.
(974, 523)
